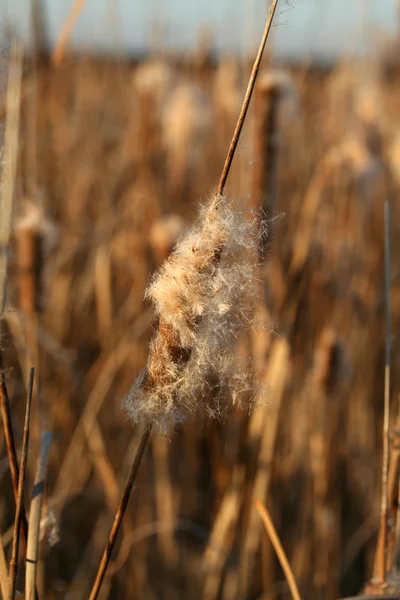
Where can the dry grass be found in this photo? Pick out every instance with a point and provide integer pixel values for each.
(317, 345)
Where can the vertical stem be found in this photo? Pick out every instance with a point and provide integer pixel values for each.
(9, 161)
(10, 444)
(19, 508)
(381, 552)
(246, 102)
(34, 517)
(275, 541)
(68, 25)
(396, 551)
(120, 512)
(265, 170)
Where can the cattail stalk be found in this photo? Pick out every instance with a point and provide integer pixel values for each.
(394, 495)
(29, 238)
(380, 565)
(13, 103)
(265, 169)
(21, 484)
(275, 541)
(168, 341)
(3, 570)
(68, 25)
(247, 98)
(10, 445)
(120, 512)
(32, 552)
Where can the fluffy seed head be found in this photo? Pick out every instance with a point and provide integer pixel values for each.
(202, 298)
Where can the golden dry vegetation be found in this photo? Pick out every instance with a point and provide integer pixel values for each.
(113, 158)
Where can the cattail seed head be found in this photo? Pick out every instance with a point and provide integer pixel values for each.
(202, 297)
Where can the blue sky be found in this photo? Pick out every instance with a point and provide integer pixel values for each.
(318, 27)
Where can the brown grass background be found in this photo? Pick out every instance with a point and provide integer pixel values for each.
(110, 150)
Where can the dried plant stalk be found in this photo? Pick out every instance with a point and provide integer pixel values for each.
(164, 501)
(10, 445)
(120, 513)
(13, 103)
(214, 561)
(272, 87)
(68, 25)
(263, 429)
(21, 483)
(380, 565)
(275, 541)
(247, 98)
(29, 254)
(103, 287)
(3, 570)
(32, 552)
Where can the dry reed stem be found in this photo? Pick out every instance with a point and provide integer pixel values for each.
(68, 25)
(266, 145)
(164, 501)
(88, 420)
(10, 445)
(263, 428)
(29, 251)
(3, 570)
(396, 545)
(20, 496)
(102, 465)
(309, 209)
(120, 512)
(246, 102)
(380, 565)
(214, 561)
(275, 541)
(103, 294)
(32, 552)
(13, 105)
(393, 496)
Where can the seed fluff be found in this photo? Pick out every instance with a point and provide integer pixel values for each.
(203, 297)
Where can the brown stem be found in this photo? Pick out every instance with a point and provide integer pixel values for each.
(21, 481)
(120, 512)
(265, 171)
(246, 101)
(275, 541)
(10, 444)
(380, 565)
(68, 25)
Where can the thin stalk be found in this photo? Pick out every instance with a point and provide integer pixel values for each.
(10, 445)
(380, 565)
(120, 512)
(9, 160)
(396, 552)
(3, 570)
(21, 482)
(275, 541)
(68, 25)
(265, 171)
(246, 102)
(35, 516)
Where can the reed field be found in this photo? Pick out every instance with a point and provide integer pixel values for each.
(110, 161)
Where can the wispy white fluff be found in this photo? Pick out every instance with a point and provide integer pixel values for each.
(203, 298)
